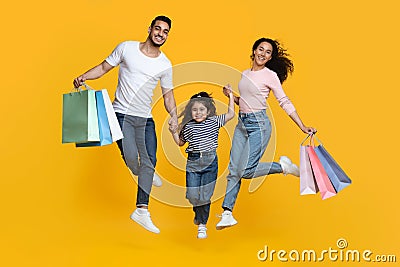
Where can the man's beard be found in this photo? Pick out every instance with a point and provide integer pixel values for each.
(155, 44)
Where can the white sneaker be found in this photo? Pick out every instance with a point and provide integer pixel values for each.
(157, 180)
(144, 220)
(227, 220)
(288, 167)
(202, 231)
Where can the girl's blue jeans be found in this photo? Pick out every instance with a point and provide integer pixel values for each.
(201, 176)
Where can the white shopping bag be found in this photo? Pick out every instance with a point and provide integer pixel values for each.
(116, 132)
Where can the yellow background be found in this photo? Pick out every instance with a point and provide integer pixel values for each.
(63, 206)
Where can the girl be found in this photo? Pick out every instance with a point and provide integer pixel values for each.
(270, 68)
(200, 127)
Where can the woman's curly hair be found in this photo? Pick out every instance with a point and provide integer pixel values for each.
(279, 62)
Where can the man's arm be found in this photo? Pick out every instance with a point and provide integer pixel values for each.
(93, 73)
(170, 106)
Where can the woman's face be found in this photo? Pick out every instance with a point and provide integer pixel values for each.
(262, 54)
(199, 111)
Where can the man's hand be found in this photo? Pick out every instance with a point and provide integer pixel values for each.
(173, 124)
(79, 81)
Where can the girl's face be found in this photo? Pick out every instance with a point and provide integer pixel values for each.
(262, 54)
(199, 111)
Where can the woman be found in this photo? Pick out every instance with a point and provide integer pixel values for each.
(270, 68)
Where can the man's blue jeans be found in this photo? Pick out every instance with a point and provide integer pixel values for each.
(201, 176)
(250, 139)
(138, 149)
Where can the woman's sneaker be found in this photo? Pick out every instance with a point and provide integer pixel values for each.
(288, 166)
(202, 231)
(227, 220)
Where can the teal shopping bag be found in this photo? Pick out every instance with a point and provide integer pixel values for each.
(104, 126)
(79, 118)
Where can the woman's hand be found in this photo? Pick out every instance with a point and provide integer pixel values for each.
(227, 89)
(309, 130)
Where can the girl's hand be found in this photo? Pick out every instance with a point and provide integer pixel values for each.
(172, 129)
(173, 124)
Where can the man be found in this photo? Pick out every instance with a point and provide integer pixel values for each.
(142, 65)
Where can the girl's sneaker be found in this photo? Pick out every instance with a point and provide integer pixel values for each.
(202, 231)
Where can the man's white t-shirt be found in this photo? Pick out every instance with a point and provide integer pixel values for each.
(137, 78)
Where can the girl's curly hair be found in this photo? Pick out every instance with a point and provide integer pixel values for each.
(201, 97)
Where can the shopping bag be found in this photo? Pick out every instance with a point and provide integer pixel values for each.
(307, 180)
(337, 176)
(116, 132)
(104, 128)
(321, 177)
(79, 119)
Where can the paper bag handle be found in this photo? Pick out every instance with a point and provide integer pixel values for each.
(79, 89)
(312, 143)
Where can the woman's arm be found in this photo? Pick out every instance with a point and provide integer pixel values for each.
(296, 118)
(286, 104)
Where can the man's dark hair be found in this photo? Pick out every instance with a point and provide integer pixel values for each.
(162, 18)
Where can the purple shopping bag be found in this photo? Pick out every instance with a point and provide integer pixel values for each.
(335, 173)
(307, 180)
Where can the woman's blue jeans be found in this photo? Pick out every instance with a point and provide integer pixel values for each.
(201, 176)
(250, 140)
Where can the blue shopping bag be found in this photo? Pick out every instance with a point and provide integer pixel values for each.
(335, 173)
(104, 127)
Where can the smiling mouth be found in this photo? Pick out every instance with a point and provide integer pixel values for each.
(159, 38)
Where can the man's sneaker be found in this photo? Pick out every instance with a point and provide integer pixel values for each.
(202, 231)
(144, 220)
(227, 220)
(288, 167)
(157, 180)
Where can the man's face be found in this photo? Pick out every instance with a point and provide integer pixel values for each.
(158, 33)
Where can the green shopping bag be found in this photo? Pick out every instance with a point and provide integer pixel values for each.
(79, 122)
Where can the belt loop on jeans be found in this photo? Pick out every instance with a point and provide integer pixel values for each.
(201, 153)
(244, 114)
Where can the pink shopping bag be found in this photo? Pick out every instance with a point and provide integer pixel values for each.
(321, 177)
